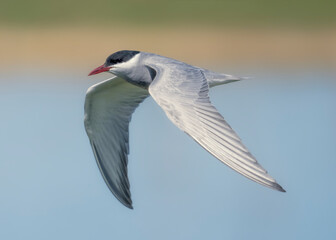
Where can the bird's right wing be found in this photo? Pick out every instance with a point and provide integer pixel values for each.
(182, 92)
(108, 109)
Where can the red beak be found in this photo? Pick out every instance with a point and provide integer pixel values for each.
(99, 69)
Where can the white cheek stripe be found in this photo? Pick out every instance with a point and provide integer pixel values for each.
(130, 63)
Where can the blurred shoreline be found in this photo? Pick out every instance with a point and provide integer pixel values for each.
(86, 47)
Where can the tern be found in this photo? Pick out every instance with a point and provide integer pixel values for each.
(182, 91)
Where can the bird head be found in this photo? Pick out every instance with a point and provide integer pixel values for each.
(117, 63)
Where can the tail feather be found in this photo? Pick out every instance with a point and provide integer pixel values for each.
(215, 79)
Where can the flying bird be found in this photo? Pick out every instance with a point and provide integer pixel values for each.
(182, 91)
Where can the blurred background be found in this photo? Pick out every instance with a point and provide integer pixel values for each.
(50, 185)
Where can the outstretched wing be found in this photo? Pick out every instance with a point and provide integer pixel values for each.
(182, 92)
(108, 110)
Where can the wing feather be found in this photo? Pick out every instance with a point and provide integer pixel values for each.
(108, 110)
(182, 92)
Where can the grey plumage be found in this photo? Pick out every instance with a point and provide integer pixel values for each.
(181, 90)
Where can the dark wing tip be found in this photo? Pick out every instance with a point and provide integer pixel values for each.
(129, 206)
(126, 201)
(122, 193)
(278, 187)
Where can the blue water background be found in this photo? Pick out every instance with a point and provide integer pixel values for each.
(51, 187)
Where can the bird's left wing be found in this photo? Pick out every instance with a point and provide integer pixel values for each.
(108, 109)
(182, 92)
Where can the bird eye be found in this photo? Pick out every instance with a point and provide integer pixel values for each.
(114, 61)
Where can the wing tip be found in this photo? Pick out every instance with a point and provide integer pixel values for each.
(123, 194)
(276, 186)
(128, 205)
(126, 201)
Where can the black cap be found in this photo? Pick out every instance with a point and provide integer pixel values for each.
(120, 56)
